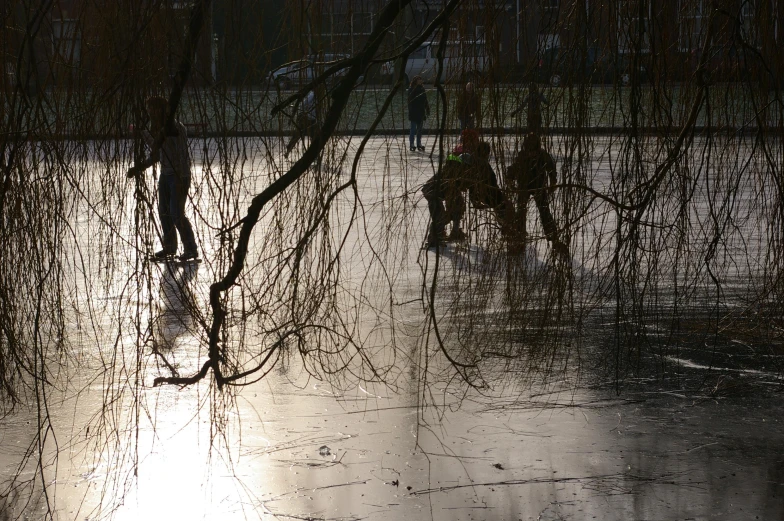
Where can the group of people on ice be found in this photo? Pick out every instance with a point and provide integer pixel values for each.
(467, 170)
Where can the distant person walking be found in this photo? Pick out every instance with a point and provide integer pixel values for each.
(306, 123)
(418, 111)
(533, 102)
(469, 106)
(533, 174)
(174, 181)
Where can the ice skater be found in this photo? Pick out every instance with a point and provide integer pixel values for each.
(533, 174)
(470, 172)
(306, 123)
(469, 106)
(533, 102)
(173, 183)
(418, 111)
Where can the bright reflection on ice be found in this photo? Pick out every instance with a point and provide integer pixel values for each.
(406, 451)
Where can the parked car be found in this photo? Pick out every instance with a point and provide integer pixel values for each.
(463, 61)
(293, 73)
(558, 66)
(301, 72)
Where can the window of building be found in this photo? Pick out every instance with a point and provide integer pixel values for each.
(545, 42)
(691, 24)
(341, 24)
(66, 41)
(550, 12)
(634, 21)
(347, 24)
(363, 23)
(750, 23)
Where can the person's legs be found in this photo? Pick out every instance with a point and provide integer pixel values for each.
(435, 205)
(293, 141)
(455, 209)
(548, 223)
(535, 122)
(411, 134)
(165, 214)
(420, 125)
(301, 128)
(491, 196)
(313, 130)
(521, 216)
(181, 222)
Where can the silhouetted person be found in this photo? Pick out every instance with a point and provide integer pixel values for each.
(174, 181)
(469, 106)
(533, 102)
(306, 122)
(470, 171)
(533, 174)
(418, 111)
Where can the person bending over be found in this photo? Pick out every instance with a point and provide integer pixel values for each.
(470, 171)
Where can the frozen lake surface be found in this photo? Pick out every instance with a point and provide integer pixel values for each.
(696, 433)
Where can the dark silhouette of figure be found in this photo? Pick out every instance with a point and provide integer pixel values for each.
(174, 181)
(306, 123)
(418, 111)
(533, 102)
(533, 174)
(469, 106)
(470, 171)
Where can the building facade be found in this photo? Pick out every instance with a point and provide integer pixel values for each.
(76, 42)
(79, 43)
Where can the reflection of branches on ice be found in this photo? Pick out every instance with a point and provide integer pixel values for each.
(313, 463)
(265, 504)
(608, 484)
(527, 405)
(304, 442)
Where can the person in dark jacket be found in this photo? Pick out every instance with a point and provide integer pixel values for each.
(468, 172)
(418, 110)
(306, 123)
(533, 174)
(533, 103)
(468, 107)
(173, 183)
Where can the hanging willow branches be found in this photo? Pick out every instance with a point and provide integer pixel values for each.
(666, 139)
(658, 131)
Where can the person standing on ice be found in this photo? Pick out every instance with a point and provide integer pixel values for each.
(533, 174)
(174, 181)
(306, 123)
(468, 108)
(533, 103)
(418, 111)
